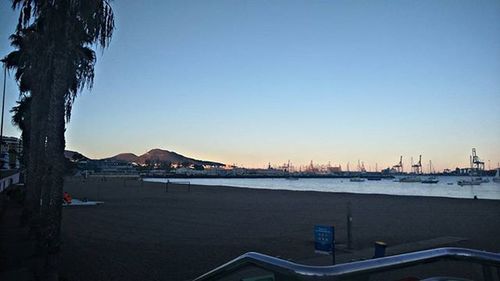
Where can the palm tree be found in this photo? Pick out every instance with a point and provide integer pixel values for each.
(29, 60)
(54, 68)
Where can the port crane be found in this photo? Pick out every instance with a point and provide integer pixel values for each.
(475, 162)
(361, 167)
(417, 168)
(399, 166)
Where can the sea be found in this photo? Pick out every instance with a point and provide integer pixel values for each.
(446, 187)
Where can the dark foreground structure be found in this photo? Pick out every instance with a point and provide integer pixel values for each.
(262, 267)
(142, 232)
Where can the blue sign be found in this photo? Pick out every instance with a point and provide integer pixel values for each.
(324, 239)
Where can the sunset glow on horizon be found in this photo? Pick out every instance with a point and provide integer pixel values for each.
(253, 82)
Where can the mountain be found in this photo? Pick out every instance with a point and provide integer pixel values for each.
(160, 155)
(74, 156)
(127, 157)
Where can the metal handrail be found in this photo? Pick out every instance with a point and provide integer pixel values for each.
(293, 270)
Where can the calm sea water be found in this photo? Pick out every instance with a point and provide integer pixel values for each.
(447, 186)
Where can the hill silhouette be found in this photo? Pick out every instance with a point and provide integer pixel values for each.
(161, 155)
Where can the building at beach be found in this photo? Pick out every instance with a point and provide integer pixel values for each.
(10, 153)
(107, 167)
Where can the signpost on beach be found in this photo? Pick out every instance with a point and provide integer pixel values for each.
(324, 240)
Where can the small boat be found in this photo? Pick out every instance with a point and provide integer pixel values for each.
(410, 179)
(497, 177)
(290, 175)
(430, 180)
(469, 182)
(358, 179)
(361, 171)
(479, 179)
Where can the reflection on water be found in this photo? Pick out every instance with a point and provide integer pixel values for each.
(447, 186)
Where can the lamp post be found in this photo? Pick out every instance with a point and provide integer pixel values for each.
(3, 108)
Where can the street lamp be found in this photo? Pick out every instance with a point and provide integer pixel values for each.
(3, 108)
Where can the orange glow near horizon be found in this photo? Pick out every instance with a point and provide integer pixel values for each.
(261, 161)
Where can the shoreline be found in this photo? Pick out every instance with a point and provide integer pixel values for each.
(263, 187)
(329, 192)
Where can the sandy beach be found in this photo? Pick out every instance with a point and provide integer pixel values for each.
(142, 232)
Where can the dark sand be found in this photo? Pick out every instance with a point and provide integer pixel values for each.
(144, 233)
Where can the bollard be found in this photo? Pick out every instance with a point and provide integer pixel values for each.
(379, 249)
(349, 226)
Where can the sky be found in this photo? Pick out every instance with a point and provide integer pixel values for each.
(252, 82)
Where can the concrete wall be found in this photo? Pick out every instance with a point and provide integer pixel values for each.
(8, 181)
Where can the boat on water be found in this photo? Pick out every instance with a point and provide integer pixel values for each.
(497, 177)
(476, 168)
(357, 179)
(430, 180)
(416, 171)
(410, 179)
(289, 175)
(482, 180)
(469, 182)
(361, 171)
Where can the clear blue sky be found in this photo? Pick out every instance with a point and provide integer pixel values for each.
(250, 82)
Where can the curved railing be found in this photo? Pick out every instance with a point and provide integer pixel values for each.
(293, 271)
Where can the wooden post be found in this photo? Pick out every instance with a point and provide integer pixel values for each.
(349, 226)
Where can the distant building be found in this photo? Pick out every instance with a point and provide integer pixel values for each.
(334, 169)
(390, 170)
(107, 167)
(10, 153)
(189, 172)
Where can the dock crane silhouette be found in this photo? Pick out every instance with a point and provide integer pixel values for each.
(417, 168)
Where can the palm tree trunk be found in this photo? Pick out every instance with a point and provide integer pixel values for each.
(55, 145)
(37, 181)
(35, 161)
(55, 154)
(52, 195)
